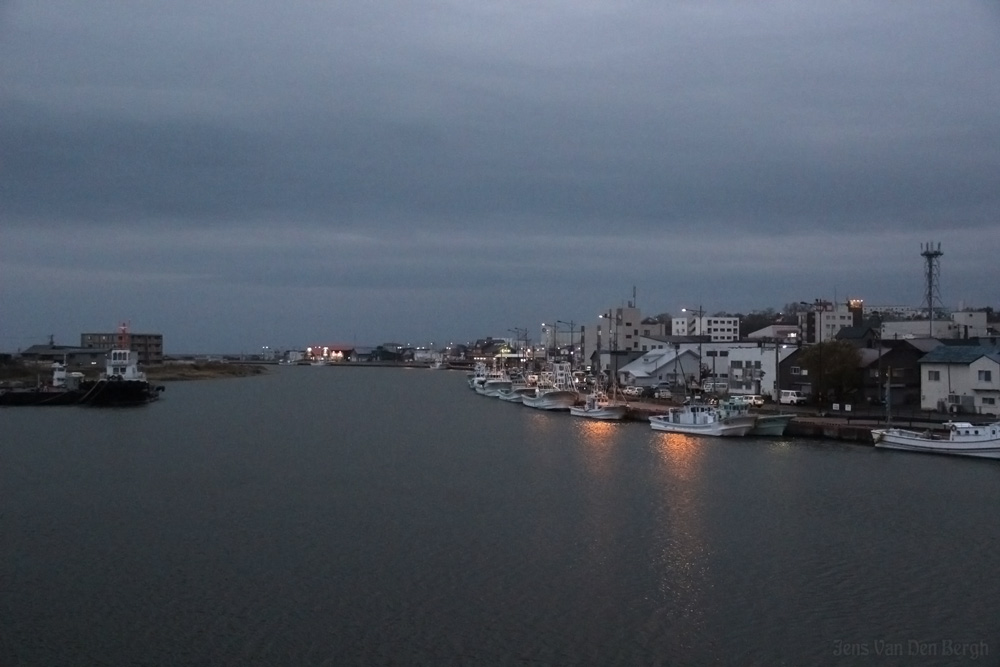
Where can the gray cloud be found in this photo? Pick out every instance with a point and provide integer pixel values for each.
(531, 161)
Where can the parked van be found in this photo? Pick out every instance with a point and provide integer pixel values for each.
(792, 397)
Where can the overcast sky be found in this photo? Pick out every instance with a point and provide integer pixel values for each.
(239, 174)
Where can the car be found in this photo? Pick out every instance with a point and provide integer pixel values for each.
(663, 392)
(753, 400)
(632, 390)
(792, 397)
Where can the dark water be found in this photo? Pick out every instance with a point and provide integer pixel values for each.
(339, 516)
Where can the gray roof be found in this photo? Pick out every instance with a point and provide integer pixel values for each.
(959, 354)
(853, 333)
(870, 355)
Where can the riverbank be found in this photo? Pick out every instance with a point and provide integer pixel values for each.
(202, 371)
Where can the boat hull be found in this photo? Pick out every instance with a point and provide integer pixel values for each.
(734, 428)
(960, 442)
(558, 399)
(770, 425)
(118, 393)
(37, 397)
(604, 413)
(96, 393)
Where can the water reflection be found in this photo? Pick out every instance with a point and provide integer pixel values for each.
(680, 551)
(598, 440)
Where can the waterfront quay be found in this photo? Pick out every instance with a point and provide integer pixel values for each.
(812, 423)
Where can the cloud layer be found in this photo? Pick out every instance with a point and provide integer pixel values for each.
(305, 171)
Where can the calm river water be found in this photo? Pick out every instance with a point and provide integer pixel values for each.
(358, 516)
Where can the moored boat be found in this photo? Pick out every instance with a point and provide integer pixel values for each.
(121, 384)
(961, 438)
(701, 419)
(764, 424)
(598, 405)
(554, 391)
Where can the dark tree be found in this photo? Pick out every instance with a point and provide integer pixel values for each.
(834, 370)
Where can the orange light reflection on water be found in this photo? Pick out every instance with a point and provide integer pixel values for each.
(681, 454)
(598, 439)
(681, 554)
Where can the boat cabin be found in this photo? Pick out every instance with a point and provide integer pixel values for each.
(123, 365)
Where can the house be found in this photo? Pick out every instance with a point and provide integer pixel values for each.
(679, 367)
(72, 356)
(859, 337)
(961, 379)
(895, 363)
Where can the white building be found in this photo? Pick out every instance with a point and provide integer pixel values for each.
(961, 379)
(824, 319)
(960, 325)
(718, 329)
(617, 329)
(745, 367)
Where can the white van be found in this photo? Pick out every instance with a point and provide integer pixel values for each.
(753, 400)
(792, 397)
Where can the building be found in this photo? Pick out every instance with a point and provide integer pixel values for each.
(148, 346)
(616, 333)
(718, 329)
(895, 312)
(960, 325)
(824, 319)
(744, 367)
(786, 333)
(961, 379)
(71, 356)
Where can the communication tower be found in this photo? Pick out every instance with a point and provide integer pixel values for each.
(932, 275)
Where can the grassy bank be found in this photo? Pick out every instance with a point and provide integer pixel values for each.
(202, 371)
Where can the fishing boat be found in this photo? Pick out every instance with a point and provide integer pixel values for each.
(519, 386)
(554, 391)
(764, 424)
(702, 419)
(598, 405)
(961, 438)
(478, 376)
(497, 380)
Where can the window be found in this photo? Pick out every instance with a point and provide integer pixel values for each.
(737, 364)
(796, 370)
(985, 376)
(989, 400)
(933, 376)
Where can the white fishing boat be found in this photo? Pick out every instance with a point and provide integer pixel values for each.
(554, 391)
(764, 424)
(478, 376)
(962, 438)
(701, 419)
(497, 380)
(598, 405)
(519, 386)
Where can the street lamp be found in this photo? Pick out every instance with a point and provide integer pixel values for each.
(701, 315)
